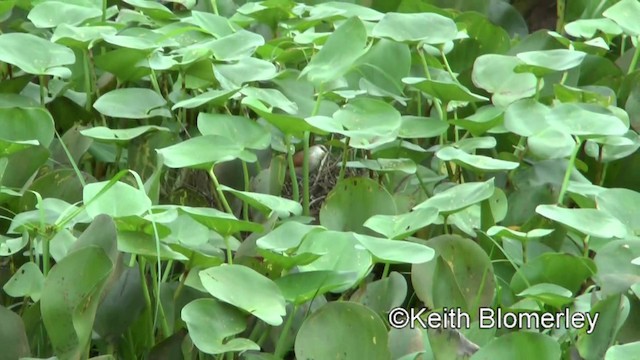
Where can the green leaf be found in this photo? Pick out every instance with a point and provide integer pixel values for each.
(621, 204)
(626, 14)
(475, 162)
(407, 166)
(343, 47)
(132, 103)
(415, 127)
(591, 222)
(35, 55)
(522, 345)
(444, 88)
(403, 225)
(395, 251)
(13, 337)
(211, 149)
(496, 74)
(611, 315)
(586, 120)
(50, 14)
(119, 200)
(587, 28)
(411, 28)
(246, 289)
(121, 136)
(286, 236)
(238, 128)
(560, 269)
(19, 124)
(623, 352)
(210, 323)
(299, 288)
(526, 117)
(70, 298)
(543, 61)
(27, 281)
(459, 197)
(349, 331)
(267, 203)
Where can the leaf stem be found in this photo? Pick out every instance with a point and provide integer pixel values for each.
(223, 199)
(634, 60)
(567, 174)
(282, 340)
(292, 170)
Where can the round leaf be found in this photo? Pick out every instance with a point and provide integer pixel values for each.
(132, 103)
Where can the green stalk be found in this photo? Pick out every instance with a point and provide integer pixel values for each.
(247, 187)
(345, 154)
(45, 255)
(292, 170)
(280, 346)
(567, 174)
(214, 7)
(147, 297)
(87, 81)
(634, 60)
(223, 199)
(42, 90)
(229, 253)
(305, 175)
(560, 9)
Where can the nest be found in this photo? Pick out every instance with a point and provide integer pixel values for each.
(321, 182)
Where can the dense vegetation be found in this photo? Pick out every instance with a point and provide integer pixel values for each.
(150, 206)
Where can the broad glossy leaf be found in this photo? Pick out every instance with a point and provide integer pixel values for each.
(621, 204)
(13, 337)
(345, 45)
(496, 74)
(591, 222)
(550, 294)
(35, 55)
(247, 69)
(80, 36)
(211, 149)
(587, 28)
(267, 203)
(395, 251)
(475, 162)
(341, 251)
(215, 97)
(286, 236)
(132, 103)
(50, 14)
(70, 298)
(246, 289)
(458, 197)
(444, 88)
(406, 166)
(26, 282)
(612, 312)
(400, 226)
(623, 352)
(414, 28)
(543, 61)
(616, 270)
(526, 117)
(551, 143)
(625, 13)
(586, 120)
(121, 136)
(349, 329)
(119, 200)
(28, 123)
(413, 127)
(513, 345)
(299, 288)
(213, 325)
(141, 244)
(560, 269)
(240, 129)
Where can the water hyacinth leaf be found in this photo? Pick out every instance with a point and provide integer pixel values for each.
(288, 124)
(591, 222)
(336, 322)
(286, 236)
(35, 55)
(132, 103)
(396, 251)
(587, 28)
(403, 225)
(461, 275)
(342, 252)
(246, 289)
(238, 128)
(526, 117)
(247, 69)
(539, 346)
(444, 88)
(475, 162)
(623, 352)
(369, 120)
(222, 222)
(617, 268)
(621, 203)
(414, 127)
(406, 166)
(236, 46)
(328, 9)
(384, 294)
(299, 288)
(214, 97)
(80, 36)
(211, 149)
(119, 200)
(215, 25)
(352, 202)
(141, 244)
(26, 282)
(551, 143)
(496, 74)
(411, 28)
(507, 232)
(543, 61)
(458, 197)
(550, 294)
(13, 337)
(106, 134)
(267, 203)
(50, 14)
(341, 50)
(211, 322)
(626, 14)
(272, 97)
(152, 8)
(586, 120)
(19, 124)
